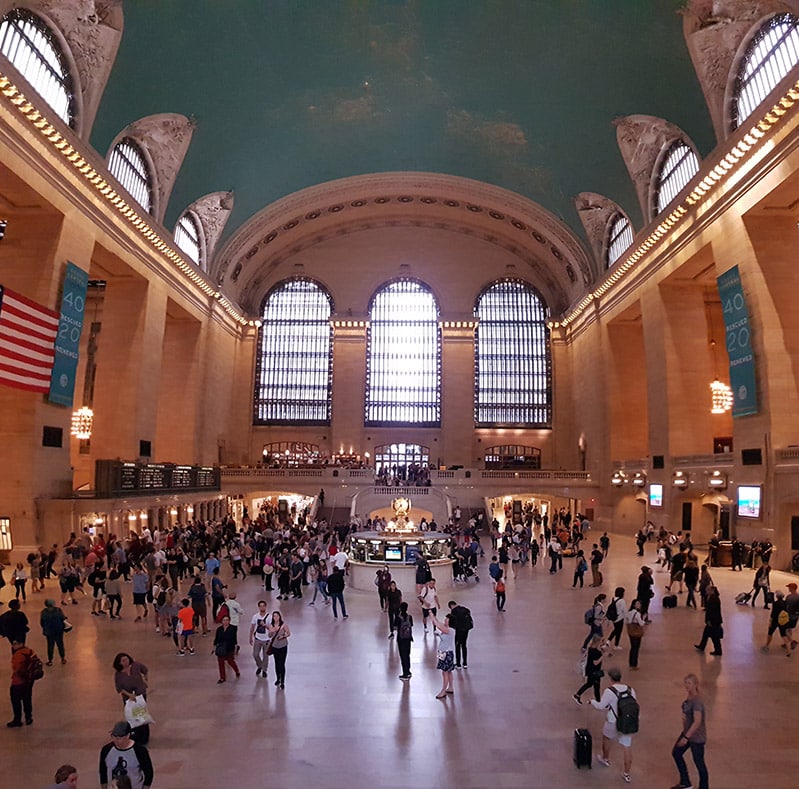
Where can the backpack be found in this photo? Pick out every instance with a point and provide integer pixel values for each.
(34, 668)
(582, 566)
(222, 612)
(500, 586)
(405, 629)
(588, 617)
(628, 711)
(467, 623)
(612, 610)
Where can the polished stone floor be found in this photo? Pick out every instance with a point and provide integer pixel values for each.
(346, 720)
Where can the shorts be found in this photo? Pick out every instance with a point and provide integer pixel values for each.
(140, 598)
(612, 733)
(187, 633)
(98, 593)
(782, 628)
(427, 611)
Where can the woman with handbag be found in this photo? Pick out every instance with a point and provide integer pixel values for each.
(225, 648)
(278, 646)
(54, 625)
(635, 632)
(131, 680)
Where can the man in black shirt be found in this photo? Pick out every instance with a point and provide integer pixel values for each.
(461, 619)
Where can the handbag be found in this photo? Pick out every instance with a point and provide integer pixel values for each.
(136, 712)
(635, 630)
(271, 641)
(67, 625)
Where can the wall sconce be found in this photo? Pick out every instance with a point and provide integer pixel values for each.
(717, 479)
(82, 421)
(144, 516)
(679, 480)
(173, 511)
(618, 478)
(132, 517)
(639, 480)
(721, 397)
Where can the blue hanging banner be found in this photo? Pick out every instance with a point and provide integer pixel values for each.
(73, 305)
(738, 341)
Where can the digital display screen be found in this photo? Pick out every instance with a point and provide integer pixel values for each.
(655, 495)
(393, 553)
(749, 501)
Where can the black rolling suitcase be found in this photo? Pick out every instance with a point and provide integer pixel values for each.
(582, 748)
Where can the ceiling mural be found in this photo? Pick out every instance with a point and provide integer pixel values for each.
(289, 94)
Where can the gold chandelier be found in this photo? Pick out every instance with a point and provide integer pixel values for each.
(82, 420)
(721, 397)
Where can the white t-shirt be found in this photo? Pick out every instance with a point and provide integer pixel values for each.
(340, 560)
(235, 610)
(259, 623)
(610, 700)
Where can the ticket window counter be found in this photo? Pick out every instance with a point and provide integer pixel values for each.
(395, 551)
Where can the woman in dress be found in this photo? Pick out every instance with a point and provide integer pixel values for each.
(225, 648)
(279, 634)
(445, 654)
(130, 680)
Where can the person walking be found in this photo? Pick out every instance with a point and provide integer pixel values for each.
(21, 691)
(141, 585)
(645, 591)
(580, 568)
(335, 588)
(611, 731)
(616, 615)
(596, 559)
(259, 639)
(691, 577)
(428, 598)
(225, 649)
(383, 583)
(777, 622)
(705, 581)
(279, 634)
(125, 758)
(713, 622)
(113, 591)
(635, 632)
(445, 655)
(593, 669)
(403, 622)
(393, 602)
(14, 623)
(186, 627)
(461, 620)
(20, 578)
(53, 623)
(595, 619)
(499, 590)
(130, 680)
(762, 583)
(693, 735)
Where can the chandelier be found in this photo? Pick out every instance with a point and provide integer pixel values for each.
(721, 397)
(82, 423)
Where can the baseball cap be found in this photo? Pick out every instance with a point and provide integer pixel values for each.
(791, 585)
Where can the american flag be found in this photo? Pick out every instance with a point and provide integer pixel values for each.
(27, 336)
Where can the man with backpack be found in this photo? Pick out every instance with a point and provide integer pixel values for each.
(460, 618)
(622, 720)
(26, 668)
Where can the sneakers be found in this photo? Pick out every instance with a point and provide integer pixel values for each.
(627, 778)
(465, 666)
(405, 677)
(458, 666)
(181, 653)
(682, 786)
(603, 760)
(391, 635)
(577, 699)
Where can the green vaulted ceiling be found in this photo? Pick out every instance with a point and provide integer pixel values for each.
(292, 93)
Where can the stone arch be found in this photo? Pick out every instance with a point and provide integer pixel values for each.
(643, 140)
(596, 212)
(553, 258)
(164, 140)
(716, 33)
(90, 32)
(212, 212)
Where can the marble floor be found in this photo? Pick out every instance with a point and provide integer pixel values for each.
(346, 720)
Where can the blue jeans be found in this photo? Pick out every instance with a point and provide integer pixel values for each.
(338, 596)
(698, 754)
(321, 586)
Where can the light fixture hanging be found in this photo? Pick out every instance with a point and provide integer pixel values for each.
(82, 420)
(720, 393)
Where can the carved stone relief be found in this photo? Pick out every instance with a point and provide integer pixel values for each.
(714, 32)
(92, 30)
(213, 211)
(166, 138)
(641, 140)
(595, 211)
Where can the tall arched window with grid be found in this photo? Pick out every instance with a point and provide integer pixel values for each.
(187, 237)
(127, 164)
(34, 51)
(769, 57)
(620, 238)
(294, 366)
(679, 165)
(403, 357)
(513, 370)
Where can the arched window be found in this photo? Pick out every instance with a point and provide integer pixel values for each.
(620, 238)
(126, 163)
(771, 54)
(187, 236)
(403, 367)
(35, 52)
(294, 366)
(679, 166)
(512, 359)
